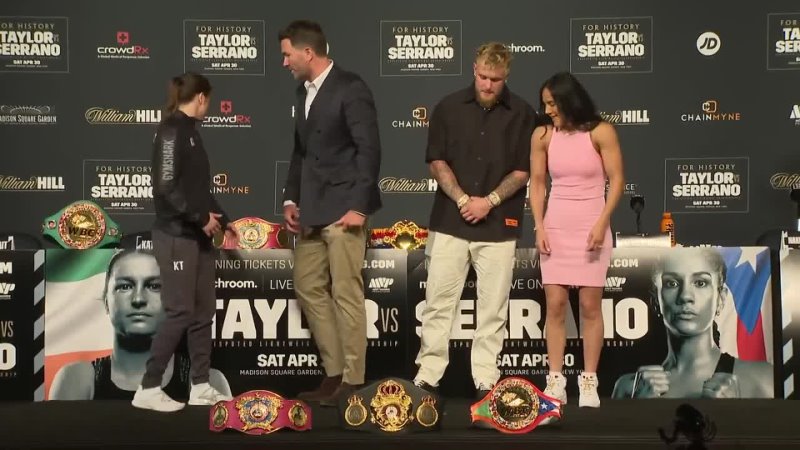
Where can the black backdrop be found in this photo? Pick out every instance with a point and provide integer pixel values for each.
(746, 85)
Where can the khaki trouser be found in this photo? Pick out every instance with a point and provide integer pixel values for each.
(448, 264)
(329, 287)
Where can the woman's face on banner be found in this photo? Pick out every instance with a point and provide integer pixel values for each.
(134, 295)
(689, 290)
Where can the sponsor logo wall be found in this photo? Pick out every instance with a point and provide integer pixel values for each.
(689, 145)
(412, 63)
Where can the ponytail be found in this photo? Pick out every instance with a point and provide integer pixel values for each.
(173, 96)
(183, 88)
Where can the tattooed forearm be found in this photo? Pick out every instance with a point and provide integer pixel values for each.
(447, 180)
(511, 184)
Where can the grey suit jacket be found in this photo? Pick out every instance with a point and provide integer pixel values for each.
(337, 153)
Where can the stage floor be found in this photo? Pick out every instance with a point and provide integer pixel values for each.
(744, 424)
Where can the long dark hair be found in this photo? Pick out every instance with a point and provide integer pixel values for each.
(575, 105)
(183, 88)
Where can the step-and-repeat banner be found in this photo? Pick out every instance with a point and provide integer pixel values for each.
(670, 308)
(83, 87)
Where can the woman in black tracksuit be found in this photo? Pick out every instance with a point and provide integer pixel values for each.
(187, 217)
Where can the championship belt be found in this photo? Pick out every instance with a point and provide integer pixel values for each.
(405, 235)
(259, 412)
(256, 233)
(81, 225)
(392, 405)
(515, 405)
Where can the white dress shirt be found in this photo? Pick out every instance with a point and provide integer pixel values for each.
(312, 87)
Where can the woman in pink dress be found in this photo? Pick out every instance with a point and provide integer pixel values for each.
(573, 234)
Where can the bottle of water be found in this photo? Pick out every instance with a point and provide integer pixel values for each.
(668, 226)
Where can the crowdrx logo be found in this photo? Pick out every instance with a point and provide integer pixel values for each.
(124, 49)
(417, 119)
(711, 112)
(227, 118)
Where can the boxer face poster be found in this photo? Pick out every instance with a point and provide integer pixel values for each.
(103, 308)
(684, 323)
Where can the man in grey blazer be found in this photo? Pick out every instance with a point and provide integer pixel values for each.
(331, 188)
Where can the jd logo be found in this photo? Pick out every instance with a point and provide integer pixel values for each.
(708, 43)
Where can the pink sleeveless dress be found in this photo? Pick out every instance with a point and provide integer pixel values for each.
(575, 202)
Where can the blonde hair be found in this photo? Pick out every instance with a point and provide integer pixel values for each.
(494, 54)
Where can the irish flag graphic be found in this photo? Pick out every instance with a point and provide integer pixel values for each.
(77, 327)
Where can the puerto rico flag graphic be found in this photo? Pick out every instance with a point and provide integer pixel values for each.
(746, 322)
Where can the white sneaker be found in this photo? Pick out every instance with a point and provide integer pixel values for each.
(588, 391)
(204, 395)
(155, 399)
(557, 387)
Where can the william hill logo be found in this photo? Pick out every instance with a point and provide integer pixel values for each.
(98, 115)
(627, 117)
(395, 185)
(381, 284)
(16, 184)
(785, 180)
(417, 119)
